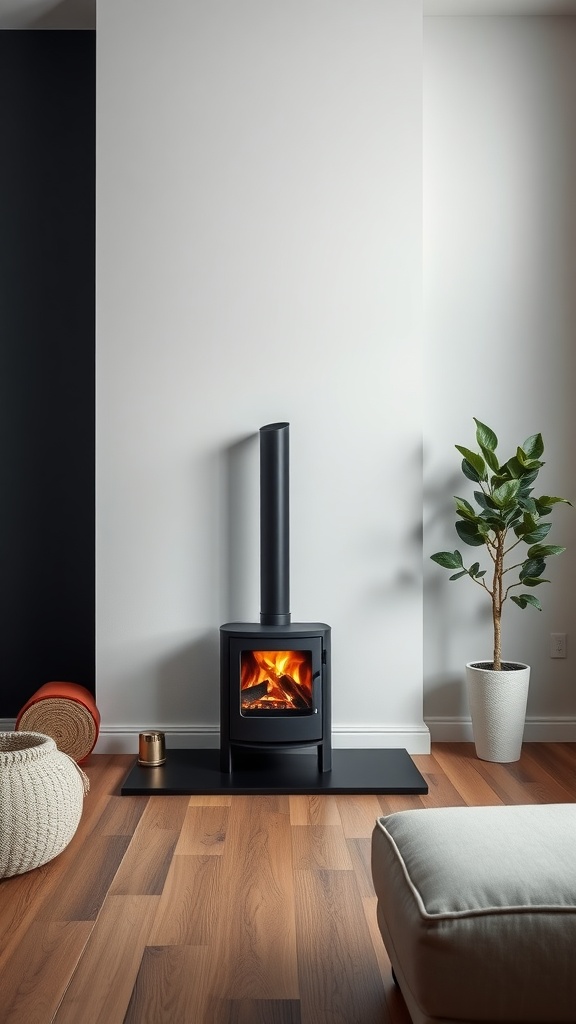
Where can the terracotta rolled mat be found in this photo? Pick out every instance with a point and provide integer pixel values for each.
(65, 711)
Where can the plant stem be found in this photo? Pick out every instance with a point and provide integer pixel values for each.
(497, 600)
(510, 567)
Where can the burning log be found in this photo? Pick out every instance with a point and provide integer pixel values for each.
(293, 692)
(253, 693)
(277, 692)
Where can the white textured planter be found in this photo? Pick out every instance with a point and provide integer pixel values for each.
(41, 800)
(498, 709)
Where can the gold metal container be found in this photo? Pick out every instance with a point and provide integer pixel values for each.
(151, 749)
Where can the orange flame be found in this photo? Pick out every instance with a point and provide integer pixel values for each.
(283, 678)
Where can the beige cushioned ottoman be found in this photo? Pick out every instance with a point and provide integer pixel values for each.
(477, 909)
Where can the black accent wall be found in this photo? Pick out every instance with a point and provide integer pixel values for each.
(47, 350)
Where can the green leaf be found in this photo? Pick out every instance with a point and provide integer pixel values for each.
(485, 436)
(469, 533)
(532, 567)
(531, 581)
(506, 493)
(470, 472)
(543, 550)
(513, 468)
(528, 464)
(458, 575)
(484, 529)
(464, 508)
(474, 568)
(537, 534)
(490, 523)
(528, 477)
(485, 501)
(529, 505)
(448, 559)
(480, 574)
(524, 599)
(533, 446)
(490, 458)
(528, 524)
(521, 457)
(513, 515)
(545, 499)
(475, 460)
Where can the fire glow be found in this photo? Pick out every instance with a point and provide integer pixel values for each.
(276, 680)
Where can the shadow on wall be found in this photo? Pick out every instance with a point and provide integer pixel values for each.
(445, 614)
(241, 504)
(68, 14)
(401, 552)
(189, 683)
(447, 693)
(188, 687)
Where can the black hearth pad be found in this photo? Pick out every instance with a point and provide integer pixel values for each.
(259, 772)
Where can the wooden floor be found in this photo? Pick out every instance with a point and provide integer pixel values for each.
(227, 910)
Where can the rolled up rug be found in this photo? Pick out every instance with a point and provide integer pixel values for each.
(65, 711)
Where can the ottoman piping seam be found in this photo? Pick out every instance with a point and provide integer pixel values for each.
(478, 912)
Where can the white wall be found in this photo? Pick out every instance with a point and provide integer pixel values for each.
(500, 324)
(259, 259)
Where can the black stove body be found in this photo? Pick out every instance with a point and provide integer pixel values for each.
(275, 674)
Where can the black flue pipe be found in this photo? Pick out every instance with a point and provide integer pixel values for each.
(274, 525)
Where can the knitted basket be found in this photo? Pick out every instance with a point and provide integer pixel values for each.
(41, 799)
(65, 711)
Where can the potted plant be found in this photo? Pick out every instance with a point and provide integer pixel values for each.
(506, 515)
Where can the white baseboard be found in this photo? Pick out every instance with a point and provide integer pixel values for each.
(413, 738)
(123, 739)
(536, 730)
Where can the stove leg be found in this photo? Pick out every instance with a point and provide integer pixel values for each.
(225, 757)
(325, 756)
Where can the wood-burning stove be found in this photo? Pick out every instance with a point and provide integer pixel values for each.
(275, 674)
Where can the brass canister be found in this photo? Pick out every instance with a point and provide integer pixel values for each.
(151, 749)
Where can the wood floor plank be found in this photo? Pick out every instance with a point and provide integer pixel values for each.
(190, 906)
(369, 904)
(340, 981)
(358, 813)
(257, 946)
(82, 890)
(105, 773)
(209, 800)
(203, 830)
(36, 976)
(172, 986)
(361, 854)
(320, 846)
(261, 1011)
(313, 809)
(20, 899)
(561, 760)
(146, 863)
(460, 765)
(441, 790)
(554, 765)
(101, 986)
(515, 783)
(121, 815)
(395, 1005)
(164, 812)
(391, 802)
